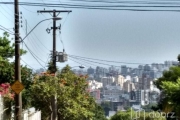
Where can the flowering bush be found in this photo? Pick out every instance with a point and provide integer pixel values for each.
(5, 91)
(8, 98)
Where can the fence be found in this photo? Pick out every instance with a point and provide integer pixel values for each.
(29, 114)
(1, 108)
(32, 115)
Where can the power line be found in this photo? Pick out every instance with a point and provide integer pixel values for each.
(6, 29)
(127, 2)
(103, 7)
(83, 5)
(106, 60)
(84, 61)
(38, 39)
(77, 62)
(6, 16)
(5, 10)
(92, 61)
(111, 64)
(113, 61)
(60, 38)
(27, 64)
(34, 55)
(34, 45)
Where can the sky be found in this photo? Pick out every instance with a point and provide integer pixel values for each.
(124, 36)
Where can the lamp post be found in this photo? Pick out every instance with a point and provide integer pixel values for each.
(54, 19)
(81, 67)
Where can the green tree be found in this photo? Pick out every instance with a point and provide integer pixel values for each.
(106, 107)
(171, 75)
(73, 101)
(6, 48)
(6, 52)
(167, 103)
(7, 70)
(99, 113)
(168, 76)
(130, 115)
(172, 91)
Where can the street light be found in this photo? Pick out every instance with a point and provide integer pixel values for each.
(78, 66)
(81, 67)
(54, 18)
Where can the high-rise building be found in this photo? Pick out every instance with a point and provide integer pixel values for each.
(107, 80)
(120, 80)
(124, 70)
(147, 67)
(128, 86)
(90, 71)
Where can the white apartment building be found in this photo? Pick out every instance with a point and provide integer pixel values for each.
(112, 93)
(120, 80)
(94, 85)
(128, 86)
(107, 80)
(135, 79)
(147, 96)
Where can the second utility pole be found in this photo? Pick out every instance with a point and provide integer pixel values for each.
(54, 99)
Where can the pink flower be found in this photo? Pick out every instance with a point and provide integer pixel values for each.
(5, 90)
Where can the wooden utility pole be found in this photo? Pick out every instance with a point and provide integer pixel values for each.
(18, 97)
(54, 99)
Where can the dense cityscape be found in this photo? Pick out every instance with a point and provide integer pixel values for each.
(124, 87)
(89, 60)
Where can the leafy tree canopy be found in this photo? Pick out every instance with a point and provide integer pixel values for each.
(7, 51)
(168, 84)
(73, 101)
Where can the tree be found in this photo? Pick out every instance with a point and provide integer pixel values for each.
(137, 115)
(7, 71)
(172, 91)
(99, 113)
(168, 76)
(106, 107)
(167, 102)
(7, 51)
(8, 97)
(73, 101)
(178, 57)
(171, 75)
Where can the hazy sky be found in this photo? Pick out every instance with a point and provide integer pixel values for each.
(124, 36)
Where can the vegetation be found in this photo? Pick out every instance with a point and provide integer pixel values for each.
(7, 74)
(132, 115)
(168, 84)
(106, 106)
(73, 101)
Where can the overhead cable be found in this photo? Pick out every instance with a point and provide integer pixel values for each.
(34, 55)
(104, 7)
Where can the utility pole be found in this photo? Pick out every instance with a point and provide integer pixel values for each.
(18, 97)
(54, 42)
(54, 55)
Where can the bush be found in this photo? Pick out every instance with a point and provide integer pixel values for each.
(130, 114)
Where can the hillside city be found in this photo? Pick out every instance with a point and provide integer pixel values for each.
(124, 87)
(39, 41)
